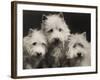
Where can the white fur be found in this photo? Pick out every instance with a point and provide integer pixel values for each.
(31, 50)
(84, 50)
(55, 22)
(60, 30)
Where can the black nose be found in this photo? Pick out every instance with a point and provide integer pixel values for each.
(79, 54)
(57, 40)
(39, 54)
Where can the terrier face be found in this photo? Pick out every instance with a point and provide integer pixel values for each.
(78, 46)
(55, 28)
(35, 43)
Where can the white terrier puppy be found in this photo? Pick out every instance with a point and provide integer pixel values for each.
(78, 52)
(57, 32)
(34, 49)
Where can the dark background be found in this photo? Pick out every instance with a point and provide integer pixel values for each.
(78, 22)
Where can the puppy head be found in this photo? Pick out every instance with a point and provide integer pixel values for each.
(78, 46)
(55, 28)
(35, 43)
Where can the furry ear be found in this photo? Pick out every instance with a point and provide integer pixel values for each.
(84, 34)
(30, 32)
(44, 17)
(61, 15)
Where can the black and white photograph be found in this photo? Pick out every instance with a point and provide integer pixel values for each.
(53, 39)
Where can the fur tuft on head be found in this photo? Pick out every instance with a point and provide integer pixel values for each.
(54, 26)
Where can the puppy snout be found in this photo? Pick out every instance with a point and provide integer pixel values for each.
(56, 40)
(39, 53)
(79, 54)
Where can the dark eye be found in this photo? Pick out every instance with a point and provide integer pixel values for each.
(34, 43)
(74, 46)
(80, 45)
(60, 29)
(51, 30)
(43, 44)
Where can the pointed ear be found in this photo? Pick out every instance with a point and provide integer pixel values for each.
(44, 17)
(61, 15)
(84, 34)
(30, 32)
